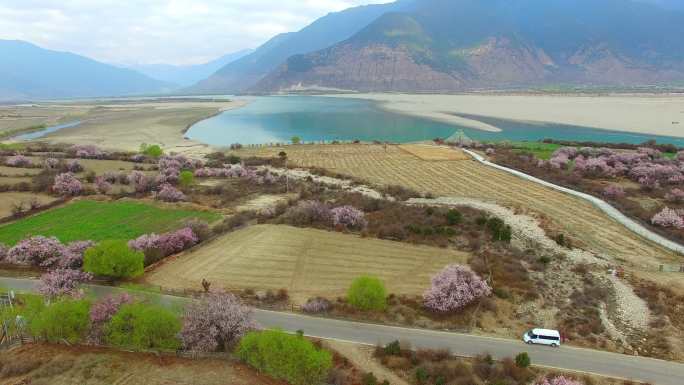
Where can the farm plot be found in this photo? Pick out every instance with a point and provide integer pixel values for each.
(393, 166)
(95, 220)
(9, 199)
(433, 153)
(307, 262)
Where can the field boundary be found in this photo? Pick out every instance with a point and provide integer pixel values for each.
(602, 205)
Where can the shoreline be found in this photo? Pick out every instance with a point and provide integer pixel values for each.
(658, 115)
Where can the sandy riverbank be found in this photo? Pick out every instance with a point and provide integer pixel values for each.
(124, 126)
(646, 114)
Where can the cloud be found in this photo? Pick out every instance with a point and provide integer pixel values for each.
(158, 31)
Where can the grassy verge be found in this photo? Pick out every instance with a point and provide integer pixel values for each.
(98, 221)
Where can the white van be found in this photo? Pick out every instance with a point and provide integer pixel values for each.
(543, 337)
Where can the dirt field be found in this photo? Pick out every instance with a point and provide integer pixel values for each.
(307, 262)
(13, 118)
(61, 365)
(119, 125)
(432, 153)
(8, 199)
(471, 179)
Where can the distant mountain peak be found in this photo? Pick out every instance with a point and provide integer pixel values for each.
(454, 45)
(28, 71)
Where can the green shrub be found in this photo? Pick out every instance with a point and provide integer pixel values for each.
(454, 217)
(66, 319)
(143, 327)
(523, 360)
(369, 379)
(287, 357)
(296, 140)
(393, 349)
(152, 150)
(499, 230)
(186, 178)
(422, 375)
(113, 259)
(367, 293)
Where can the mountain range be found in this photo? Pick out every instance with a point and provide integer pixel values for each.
(335, 27)
(404, 46)
(30, 72)
(455, 45)
(187, 75)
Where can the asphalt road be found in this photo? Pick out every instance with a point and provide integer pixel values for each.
(656, 372)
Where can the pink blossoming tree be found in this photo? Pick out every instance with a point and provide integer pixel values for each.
(668, 218)
(18, 161)
(614, 192)
(168, 193)
(215, 323)
(159, 246)
(349, 217)
(454, 288)
(560, 380)
(62, 282)
(102, 312)
(66, 184)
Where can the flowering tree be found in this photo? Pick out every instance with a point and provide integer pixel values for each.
(614, 192)
(59, 282)
(102, 186)
(454, 288)
(87, 151)
(74, 166)
(139, 181)
(668, 218)
(67, 184)
(48, 252)
(168, 193)
(675, 195)
(316, 305)
(560, 380)
(18, 161)
(159, 246)
(102, 312)
(349, 217)
(37, 251)
(308, 212)
(215, 323)
(50, 163)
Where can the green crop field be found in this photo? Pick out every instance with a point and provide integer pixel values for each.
(98, 221)
(538, 149)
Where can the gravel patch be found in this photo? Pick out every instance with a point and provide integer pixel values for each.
(630, 308)
(329, 181)
(526, 230)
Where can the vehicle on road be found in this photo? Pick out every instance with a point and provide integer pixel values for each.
(543, 337)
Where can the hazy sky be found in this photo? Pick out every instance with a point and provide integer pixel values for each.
(158, 31)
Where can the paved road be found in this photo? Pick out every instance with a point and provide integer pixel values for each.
(656, 372)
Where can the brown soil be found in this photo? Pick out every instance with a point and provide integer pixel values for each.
(61, 365)
(307, 262)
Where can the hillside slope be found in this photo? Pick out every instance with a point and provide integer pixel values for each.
(187, 75)
(322, 33)
(452, 45)
(30, 72)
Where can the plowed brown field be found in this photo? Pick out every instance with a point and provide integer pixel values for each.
(307, 262)
(393, 165)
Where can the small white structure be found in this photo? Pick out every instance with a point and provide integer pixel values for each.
(543, 337)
